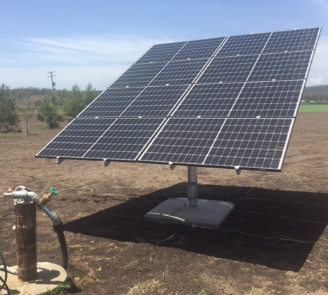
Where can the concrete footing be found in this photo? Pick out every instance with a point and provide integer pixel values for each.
(207, 213)
(49, 276)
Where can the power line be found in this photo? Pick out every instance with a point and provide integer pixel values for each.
(52, 80)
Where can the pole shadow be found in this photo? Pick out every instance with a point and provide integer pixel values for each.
(274, 228)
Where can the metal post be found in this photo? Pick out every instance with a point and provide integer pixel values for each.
(192, 186)
(26, 240)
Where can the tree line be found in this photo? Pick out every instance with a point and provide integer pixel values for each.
(53, 107)
(27, 92)
(316, 94)
(315, 98)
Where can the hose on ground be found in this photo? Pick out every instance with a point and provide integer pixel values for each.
(4, 281)
(59, 229)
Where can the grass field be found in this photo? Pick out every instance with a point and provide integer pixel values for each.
(316, 108)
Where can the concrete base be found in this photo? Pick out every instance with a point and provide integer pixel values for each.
(49, 276)
(207, 213)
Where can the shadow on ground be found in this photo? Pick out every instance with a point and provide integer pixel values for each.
(274, 228)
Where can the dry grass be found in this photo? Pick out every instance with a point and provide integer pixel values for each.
(148, 287)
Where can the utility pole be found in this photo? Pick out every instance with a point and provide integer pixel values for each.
(52, 80)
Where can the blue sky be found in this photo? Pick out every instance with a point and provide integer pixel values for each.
(96, 41)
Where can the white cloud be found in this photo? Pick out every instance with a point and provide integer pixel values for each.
(315, 81)
(85, 50)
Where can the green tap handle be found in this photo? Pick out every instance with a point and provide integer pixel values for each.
(53, 191)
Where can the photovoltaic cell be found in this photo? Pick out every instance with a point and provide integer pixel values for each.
(223, 102)
(243, 45)
(209, 100)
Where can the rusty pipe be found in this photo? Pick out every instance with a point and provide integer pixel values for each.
(26, 240)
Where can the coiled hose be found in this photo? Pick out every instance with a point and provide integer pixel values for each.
(4, 281)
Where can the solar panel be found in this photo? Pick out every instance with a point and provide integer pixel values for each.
(77, 138)
(199, 49)
(268, 99)
(161, 52)
(295, 40)
(221, 102)
(209, 100)
(229, 69)
(252, 143)
(281, 66)
(243, 45)
(184, 141)
(112, 103)
(124, 139)
(155, 101)
(179, 72)
(139, 75)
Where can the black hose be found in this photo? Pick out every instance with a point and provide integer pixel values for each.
(59, 229)
(4, 281)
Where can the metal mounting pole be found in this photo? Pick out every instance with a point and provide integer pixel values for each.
(192, 187)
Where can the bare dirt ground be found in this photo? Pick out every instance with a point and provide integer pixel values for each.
(274, 242)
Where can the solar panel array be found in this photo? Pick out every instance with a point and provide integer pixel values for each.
(222, 102)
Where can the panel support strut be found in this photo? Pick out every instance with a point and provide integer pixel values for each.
(192, 187)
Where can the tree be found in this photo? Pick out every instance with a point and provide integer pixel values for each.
(75, 102)
(4, 91)
(90, 94)
(27, 114)
(49, 111)
(78, 100)
(9, 115)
